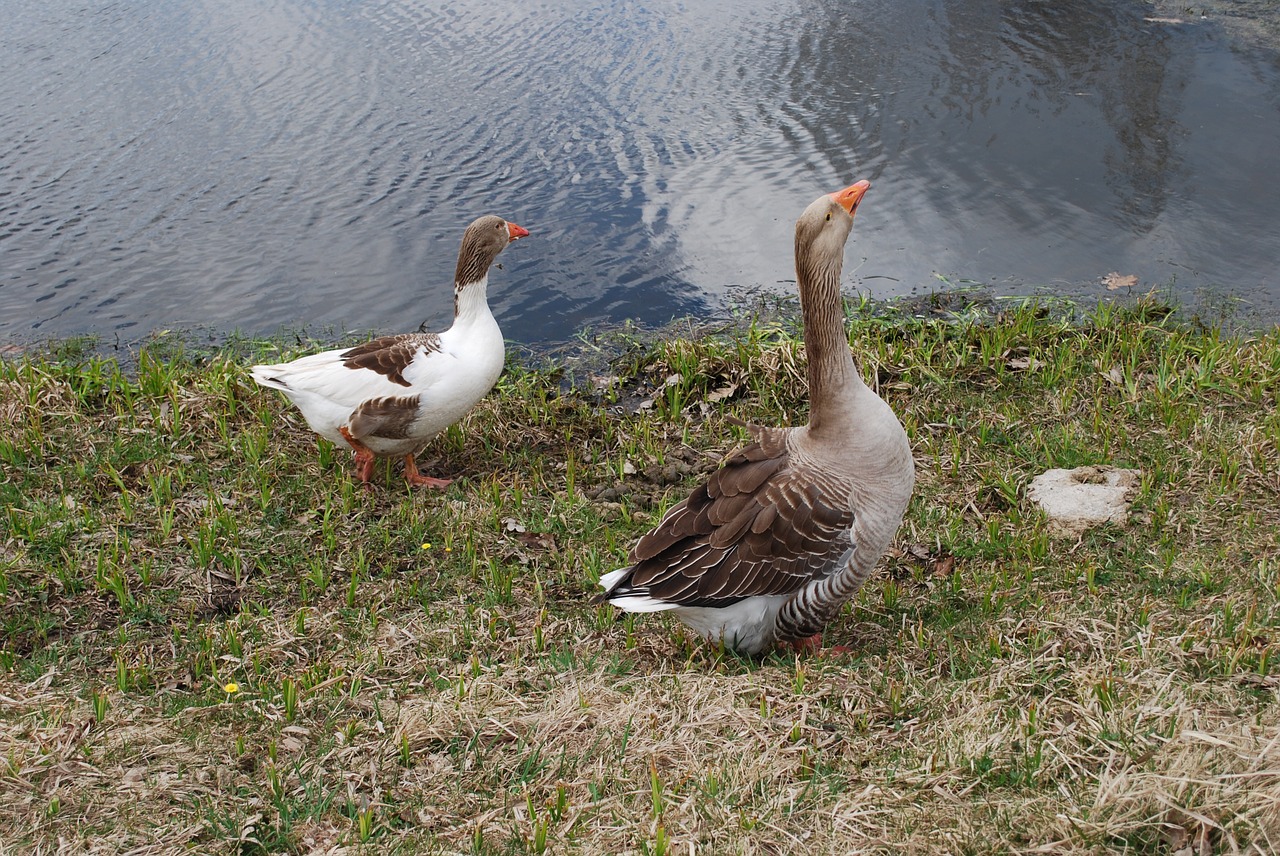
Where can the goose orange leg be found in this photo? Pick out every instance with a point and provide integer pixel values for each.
(416, 478)
(364, 457)
(808, 646)
(812, 646)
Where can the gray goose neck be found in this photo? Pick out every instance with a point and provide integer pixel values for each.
(833, 378)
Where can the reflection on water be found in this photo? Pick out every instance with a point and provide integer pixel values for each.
(258, 165)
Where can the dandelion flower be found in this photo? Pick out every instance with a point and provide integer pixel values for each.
(426, 545)
(231, 688)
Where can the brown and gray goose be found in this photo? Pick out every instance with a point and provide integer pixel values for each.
(777, 540)
(390, 396)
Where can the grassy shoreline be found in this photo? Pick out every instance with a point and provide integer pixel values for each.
(422, 672)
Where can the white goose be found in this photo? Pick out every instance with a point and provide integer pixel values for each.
(775, 542)
(390, 396)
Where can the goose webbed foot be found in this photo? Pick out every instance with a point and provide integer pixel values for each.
(417, 479)
(811, 646)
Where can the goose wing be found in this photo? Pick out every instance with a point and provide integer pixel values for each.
(760, 525)
(386, 367)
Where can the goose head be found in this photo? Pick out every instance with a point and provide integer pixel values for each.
(824, 227)
(481, 242)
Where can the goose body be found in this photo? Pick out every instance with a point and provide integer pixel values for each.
(770, 547)
(390, 396)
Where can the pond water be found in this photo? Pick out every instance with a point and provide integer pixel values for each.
(285, 164)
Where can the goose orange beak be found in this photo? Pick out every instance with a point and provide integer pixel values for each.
(515, 231)
(849, 198)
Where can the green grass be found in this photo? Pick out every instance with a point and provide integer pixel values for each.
(423, 672)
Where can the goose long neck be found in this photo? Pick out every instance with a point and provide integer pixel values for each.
(833, 378)
(471, 301)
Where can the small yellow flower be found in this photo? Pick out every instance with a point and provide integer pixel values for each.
(448, 549)
(426, 545)
(231, 688)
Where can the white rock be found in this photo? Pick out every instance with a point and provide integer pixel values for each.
(1079, 499)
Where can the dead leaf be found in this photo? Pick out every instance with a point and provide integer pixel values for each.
(512, 525)
(940, 565)
(537, 540)
(1115, 280)
(723, 392)
(516, 555)
(920, 552)
(1188, 834)
(605, 381)
(1024, 364)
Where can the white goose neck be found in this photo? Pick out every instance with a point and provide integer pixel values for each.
(471, 303)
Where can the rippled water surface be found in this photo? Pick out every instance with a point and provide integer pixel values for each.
(259, 165)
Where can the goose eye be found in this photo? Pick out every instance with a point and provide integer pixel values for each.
(828, 217)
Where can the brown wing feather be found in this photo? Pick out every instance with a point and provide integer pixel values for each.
(389, 418)
(390, 355)
(755, 527)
